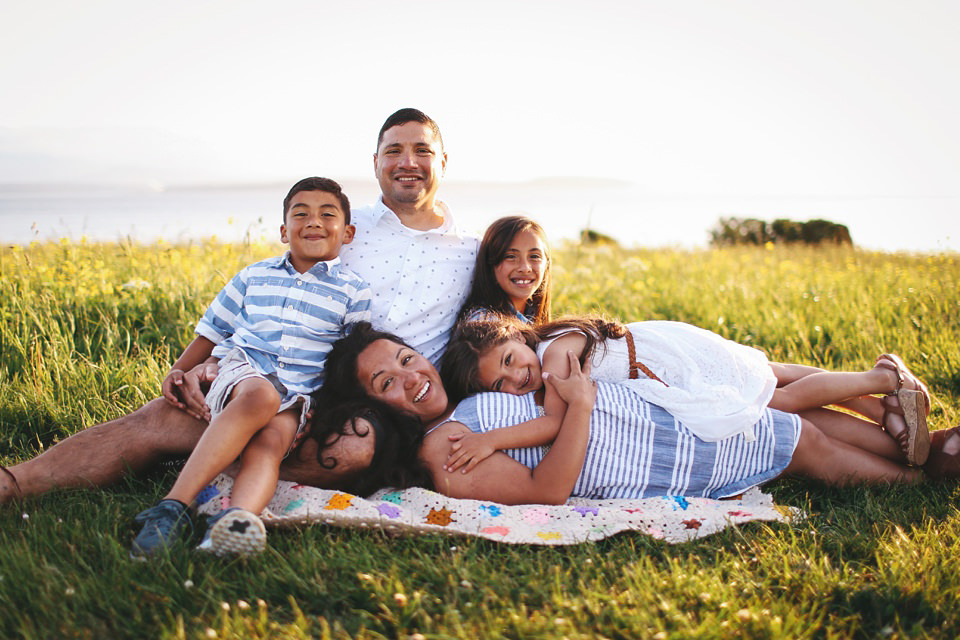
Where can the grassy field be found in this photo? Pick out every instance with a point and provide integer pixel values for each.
(88, 331)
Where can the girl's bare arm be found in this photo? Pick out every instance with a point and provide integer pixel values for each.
(502, 479)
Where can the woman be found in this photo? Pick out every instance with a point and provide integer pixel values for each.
(595, 455)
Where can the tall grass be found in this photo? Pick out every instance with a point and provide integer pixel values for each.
(88, 331)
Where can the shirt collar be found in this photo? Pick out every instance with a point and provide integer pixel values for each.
(381, 209)
(318, 270)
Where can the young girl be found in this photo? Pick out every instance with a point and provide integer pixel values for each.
(715, 387)
(512, 275)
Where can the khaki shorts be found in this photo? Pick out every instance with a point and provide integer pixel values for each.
(234, 368)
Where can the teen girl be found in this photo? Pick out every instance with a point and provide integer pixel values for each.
(512, 275)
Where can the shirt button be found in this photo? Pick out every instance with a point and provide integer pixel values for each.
(281, 365)
(299, 283)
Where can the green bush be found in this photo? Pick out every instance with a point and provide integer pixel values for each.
(750, 231)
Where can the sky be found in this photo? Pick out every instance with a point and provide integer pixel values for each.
(690, 97)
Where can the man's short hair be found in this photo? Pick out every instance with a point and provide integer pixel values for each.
(403, 116)
(319, 184)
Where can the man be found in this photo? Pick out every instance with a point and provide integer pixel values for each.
(419, 266)
(418, 263)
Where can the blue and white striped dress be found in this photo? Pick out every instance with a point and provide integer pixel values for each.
(638, 450)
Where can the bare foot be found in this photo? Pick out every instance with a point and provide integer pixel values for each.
(890, 376)
(905, 420)
(905, 410)
(893, 421)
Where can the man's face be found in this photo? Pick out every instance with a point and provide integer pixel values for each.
(409, 164)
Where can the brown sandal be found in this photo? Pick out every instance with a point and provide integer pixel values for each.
(940, 465)
(13, 478)
(893, 361)
(912, 408)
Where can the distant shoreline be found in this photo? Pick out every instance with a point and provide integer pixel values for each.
(564, 206)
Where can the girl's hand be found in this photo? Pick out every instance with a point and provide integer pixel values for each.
(576, 388)
(467, 449)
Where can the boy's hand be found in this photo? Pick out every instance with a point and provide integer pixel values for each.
(576, 387)
(171, 388)
(184, 389)
(173, 381)
(467, 449)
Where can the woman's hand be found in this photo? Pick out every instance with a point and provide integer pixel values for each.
(576, 388)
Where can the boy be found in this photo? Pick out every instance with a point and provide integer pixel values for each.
(272, 325)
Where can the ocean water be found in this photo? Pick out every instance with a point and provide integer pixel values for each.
(564, 208)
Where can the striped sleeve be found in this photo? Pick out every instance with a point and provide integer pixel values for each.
(359, 307)
(220, 319)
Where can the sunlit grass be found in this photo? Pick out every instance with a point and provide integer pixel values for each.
(89, 330)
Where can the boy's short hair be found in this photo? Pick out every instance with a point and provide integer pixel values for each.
(319, 184)
(403, 116)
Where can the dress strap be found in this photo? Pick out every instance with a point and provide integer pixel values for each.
(636, 365)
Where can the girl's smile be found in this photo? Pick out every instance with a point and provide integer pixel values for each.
(520, 273)
(510, 367)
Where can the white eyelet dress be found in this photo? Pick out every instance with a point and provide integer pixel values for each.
(717, 388)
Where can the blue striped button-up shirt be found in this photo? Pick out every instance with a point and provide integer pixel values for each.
(285, 321)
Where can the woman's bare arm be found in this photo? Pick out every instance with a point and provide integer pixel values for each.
(501, 479)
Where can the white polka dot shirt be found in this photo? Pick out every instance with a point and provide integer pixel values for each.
(419, 279)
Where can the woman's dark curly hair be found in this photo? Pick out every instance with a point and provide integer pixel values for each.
(397, 438)
(342, 400)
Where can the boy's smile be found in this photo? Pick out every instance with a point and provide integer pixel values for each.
(315, 229)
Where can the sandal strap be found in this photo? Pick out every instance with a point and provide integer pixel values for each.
(887, 363)
(13, 478)
(942, 465)
(891, 408)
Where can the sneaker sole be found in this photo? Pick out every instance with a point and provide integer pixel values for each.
(239, 532)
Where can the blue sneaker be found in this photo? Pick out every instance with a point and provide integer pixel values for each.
(163, 525)
(234, 531)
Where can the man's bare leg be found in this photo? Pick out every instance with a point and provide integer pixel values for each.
(102, 455)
